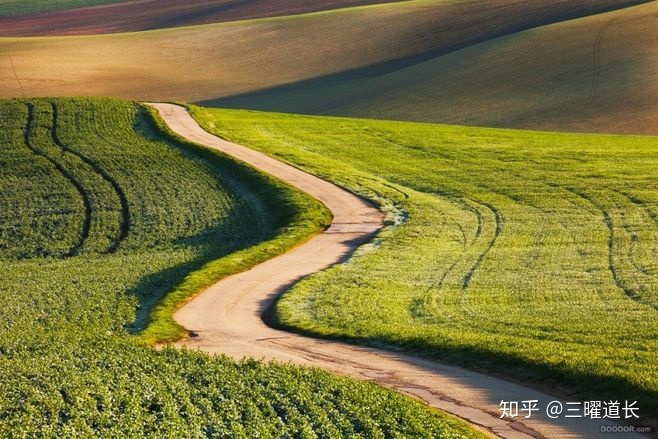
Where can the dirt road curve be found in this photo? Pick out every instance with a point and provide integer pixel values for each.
(227, 316)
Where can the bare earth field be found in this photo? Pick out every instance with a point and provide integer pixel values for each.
(215, 63)
(593, 74)
(155, 14)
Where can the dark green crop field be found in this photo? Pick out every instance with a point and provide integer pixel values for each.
(101, 215)
(532, 254)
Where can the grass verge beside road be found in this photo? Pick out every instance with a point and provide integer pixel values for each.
(296, 217)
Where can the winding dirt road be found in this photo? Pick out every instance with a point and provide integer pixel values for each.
(227, 316)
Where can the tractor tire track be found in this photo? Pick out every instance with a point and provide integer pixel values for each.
(13, 68)
(633, 199)
(596, 74)
(607, 219)
(124, 226)
(227, 317)
(463, 203)
(654, 218)
(499, 229)
(612, 265)
(86, 224)
(596, 53)
(628, 228)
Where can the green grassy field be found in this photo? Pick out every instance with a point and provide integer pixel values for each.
(101, 215)
(9, 8)
(345, 61)
(532, 254)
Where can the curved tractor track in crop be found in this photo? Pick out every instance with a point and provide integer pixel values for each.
(228, 316)
(124, 226)
(28, 134)
(41, 136)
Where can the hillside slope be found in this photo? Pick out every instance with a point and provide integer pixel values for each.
(72, 272)
(596, 74)
(213, 61)
(531, 253)
(139, 15)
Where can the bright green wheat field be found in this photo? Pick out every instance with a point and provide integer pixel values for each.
(102, 214)
(533, 254)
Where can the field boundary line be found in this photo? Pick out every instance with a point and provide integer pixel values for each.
(13, 68)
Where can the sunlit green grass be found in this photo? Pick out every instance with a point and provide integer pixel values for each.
(534, 254)
(102, 211)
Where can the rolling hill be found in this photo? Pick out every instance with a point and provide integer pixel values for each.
(136, 15)
(597, 74)
(102, 212)
(533, 254)
(331, 49)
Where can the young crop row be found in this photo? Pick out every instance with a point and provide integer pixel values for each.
(68, 367)
(170, 200)
(533, 254)
(37, 219)
(101, 203)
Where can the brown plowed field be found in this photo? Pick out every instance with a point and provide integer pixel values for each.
(155, 14)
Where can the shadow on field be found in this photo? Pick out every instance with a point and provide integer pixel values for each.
(329, 93)
(262, 210)
(560, 381)
(151, 289)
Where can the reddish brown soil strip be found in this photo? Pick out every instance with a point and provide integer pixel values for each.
(155, 14)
